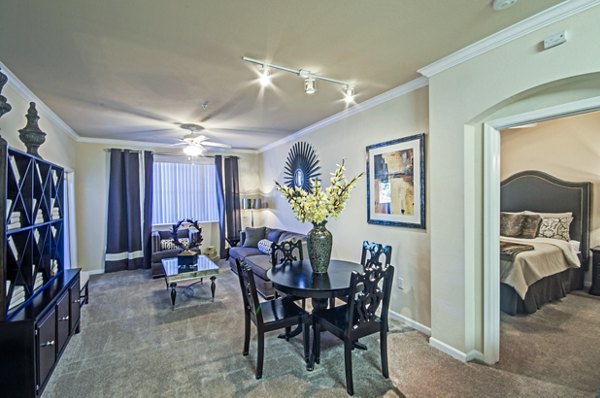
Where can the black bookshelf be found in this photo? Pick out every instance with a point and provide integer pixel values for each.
(39, 298)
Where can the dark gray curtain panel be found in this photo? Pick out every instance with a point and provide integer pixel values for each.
(124, 230)
(220, 204)
(148, 178)
(232, 197)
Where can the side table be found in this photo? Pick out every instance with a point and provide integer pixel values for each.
(595, 288)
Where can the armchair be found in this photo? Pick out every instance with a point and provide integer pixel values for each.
(163, 247)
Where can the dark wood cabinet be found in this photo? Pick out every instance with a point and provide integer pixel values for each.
(39, 298)
(595, 288)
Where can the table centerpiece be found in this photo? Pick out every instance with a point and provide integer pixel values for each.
(317, 207)
(190, 247)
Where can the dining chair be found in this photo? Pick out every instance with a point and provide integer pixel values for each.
(284, 253)
(349, 322)
(371, 254)
(268, 316)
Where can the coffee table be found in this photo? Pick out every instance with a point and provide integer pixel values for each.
(204, 268)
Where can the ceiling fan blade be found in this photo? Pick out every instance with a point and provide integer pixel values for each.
(215, 144)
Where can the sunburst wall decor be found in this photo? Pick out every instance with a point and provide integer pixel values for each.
(301, 165)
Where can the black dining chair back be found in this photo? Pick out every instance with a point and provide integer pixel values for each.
(287, 251)
(369, 293)
(372, 252)
(268, 316)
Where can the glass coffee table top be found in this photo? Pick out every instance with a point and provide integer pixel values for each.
(174, 273)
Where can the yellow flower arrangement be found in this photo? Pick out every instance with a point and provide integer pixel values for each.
(320, 204)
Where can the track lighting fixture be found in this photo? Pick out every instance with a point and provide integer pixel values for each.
(265, 79)
(310, 79)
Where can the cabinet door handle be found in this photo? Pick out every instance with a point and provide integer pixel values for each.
(76, 301)
(48, 343)
(64, 318)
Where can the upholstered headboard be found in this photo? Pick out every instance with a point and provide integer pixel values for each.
(540, 192)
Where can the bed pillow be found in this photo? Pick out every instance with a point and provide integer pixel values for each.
(511, 224)
(264, 246)
(555, 228)
(530, 226)
(550, 215)
(253, 236)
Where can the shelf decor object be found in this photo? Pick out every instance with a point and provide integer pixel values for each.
(31, 135)
(396, 182)
(316, 207)
(4, 105)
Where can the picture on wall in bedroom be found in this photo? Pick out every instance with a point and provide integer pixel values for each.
(396, 182)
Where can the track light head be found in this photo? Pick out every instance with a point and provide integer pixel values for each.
(265, 78)
(310, 85)
(349, 94)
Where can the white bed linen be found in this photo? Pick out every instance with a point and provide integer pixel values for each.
(549, 257)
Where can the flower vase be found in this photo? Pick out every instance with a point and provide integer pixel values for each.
(319, 241)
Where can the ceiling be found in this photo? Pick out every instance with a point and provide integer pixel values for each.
(133, 70)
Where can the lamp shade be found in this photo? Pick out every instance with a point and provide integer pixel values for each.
(252, 203)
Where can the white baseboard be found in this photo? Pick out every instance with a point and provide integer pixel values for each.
(453, 352)
(94, 271)
(411, 322)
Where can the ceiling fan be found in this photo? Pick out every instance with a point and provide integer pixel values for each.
(196, 143)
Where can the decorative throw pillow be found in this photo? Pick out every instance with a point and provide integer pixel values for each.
(555, 228)
(264, 246)
(253, 236)
(530, 226)
(511, 224)
(168, 244)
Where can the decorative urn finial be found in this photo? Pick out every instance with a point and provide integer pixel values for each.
(4, 105)
(31, 135)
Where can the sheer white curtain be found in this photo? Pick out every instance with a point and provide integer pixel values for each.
(184, 190)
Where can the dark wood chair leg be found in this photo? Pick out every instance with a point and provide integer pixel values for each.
(332, 302)
(261, 354)
(246, 334)
(288, 330)
(384, 358)
(348, 366)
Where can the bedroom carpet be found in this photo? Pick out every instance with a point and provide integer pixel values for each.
(132, 345)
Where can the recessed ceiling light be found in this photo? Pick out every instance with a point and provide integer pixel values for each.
(503, 4)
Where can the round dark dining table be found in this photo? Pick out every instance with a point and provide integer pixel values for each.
(297, 279)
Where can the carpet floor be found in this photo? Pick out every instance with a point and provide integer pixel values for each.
(133, 345)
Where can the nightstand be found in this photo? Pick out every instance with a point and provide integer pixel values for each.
(595, 289)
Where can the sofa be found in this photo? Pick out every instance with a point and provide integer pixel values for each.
(163, 247)
(253, 249)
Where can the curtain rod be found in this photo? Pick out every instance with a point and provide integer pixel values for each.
(159, 153)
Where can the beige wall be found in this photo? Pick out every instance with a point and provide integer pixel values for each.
(460, 98)
(347, 139)
(92, 198)
(567, 148)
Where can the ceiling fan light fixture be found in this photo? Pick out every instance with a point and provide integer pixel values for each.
(193, 150)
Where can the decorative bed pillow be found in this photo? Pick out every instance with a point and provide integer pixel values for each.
(511, 224)
(550, 215)
(530, 226)
(264, 246)
(253, 236)
(168, 244)
(555, 228)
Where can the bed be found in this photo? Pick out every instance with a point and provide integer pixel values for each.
(539, 192)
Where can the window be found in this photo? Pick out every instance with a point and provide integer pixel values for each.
(184, 190)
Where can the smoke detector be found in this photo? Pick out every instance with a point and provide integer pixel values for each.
(503, 4)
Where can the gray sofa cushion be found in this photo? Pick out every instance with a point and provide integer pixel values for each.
(286, 235)
(273, 234)
(242, 252)
(260, 265)
(253, 236)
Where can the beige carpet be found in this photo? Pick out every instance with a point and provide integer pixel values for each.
(133, 345)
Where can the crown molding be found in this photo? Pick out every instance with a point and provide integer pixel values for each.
(363, 106)
(544, 18)
(16, 84)
(150, 144)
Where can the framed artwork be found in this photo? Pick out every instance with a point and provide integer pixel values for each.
(301, 166)
(396, 182)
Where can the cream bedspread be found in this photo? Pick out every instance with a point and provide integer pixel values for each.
(549, 257)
